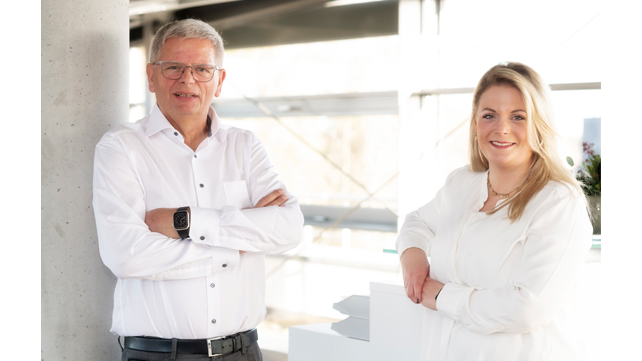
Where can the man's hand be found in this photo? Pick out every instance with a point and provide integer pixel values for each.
(414, 267)
(430, 290)
(161, 220)
(275, 198)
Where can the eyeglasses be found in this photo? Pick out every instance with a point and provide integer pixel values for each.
(174, 70)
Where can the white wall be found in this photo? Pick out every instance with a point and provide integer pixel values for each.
(84, 88)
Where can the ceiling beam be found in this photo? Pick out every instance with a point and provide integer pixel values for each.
(310, 105)
(562, 86)
(137, 8)
(267, 12)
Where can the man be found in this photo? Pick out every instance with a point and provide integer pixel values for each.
(186, 208)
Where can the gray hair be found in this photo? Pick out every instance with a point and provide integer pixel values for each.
(184, 29)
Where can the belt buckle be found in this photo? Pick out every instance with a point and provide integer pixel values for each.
(209, 346)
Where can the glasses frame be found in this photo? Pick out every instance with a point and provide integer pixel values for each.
(185, 67)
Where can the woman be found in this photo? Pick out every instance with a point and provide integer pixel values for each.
(506, 235)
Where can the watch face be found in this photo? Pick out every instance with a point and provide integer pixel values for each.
(180, 220)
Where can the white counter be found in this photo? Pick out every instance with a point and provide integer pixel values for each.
(396, 326)
(395, 332)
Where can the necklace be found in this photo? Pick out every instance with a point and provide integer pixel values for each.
(501, 195)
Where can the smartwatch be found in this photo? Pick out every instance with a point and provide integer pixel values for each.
(181, 222)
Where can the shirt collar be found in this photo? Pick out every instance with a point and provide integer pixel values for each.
(483, 190)
(216, 127)
(157, 122)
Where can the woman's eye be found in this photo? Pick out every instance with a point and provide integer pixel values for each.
(487, 116)
(518, 117)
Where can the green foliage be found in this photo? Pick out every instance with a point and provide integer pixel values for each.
(590, 175)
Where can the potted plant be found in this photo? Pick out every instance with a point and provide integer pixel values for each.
(590, 175)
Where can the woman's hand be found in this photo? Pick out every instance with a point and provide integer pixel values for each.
(430, 290)
(415, 268)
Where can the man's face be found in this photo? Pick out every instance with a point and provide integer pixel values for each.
(185, 98)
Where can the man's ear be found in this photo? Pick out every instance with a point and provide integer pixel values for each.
(150, 77)
(220, 82)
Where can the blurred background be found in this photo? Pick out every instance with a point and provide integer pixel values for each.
(364, 108)
(362, 105)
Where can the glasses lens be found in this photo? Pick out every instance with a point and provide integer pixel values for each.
(172, 70)
(203, 72)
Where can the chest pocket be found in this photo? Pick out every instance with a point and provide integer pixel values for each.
(236, 194)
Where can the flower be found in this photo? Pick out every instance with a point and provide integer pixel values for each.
(588, 148)
(590, 174)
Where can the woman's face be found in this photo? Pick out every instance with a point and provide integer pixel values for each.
(500, 124)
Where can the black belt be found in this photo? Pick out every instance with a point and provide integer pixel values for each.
(212, 346)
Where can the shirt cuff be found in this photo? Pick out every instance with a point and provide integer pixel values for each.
(449, 301)
(224, 258)
(204, 225)
(205, 230)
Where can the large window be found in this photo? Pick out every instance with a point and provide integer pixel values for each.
(329, 67)
(560, 39)
(365, 130)
(336, 148)
(446, 55)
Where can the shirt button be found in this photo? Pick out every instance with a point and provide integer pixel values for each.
(176, 133)
(195, 156)
(202, 238)
(213, 321)
(202, 186)
(224, 265)
(212, 285)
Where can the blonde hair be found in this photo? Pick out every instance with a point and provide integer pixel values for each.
(545, 165)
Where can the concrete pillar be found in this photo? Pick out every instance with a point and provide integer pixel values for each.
(84, 48)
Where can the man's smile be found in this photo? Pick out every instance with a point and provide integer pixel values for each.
(186, 95)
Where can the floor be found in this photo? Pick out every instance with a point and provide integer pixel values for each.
(273, 331)
(274, 356)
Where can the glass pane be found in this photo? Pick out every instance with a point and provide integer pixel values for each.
(454, 125)
(329, 67)
(354, 238)
(137, 84)
(364, 147)
(560, 40)
(571, 110)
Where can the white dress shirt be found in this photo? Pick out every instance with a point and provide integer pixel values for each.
(200, 287)
(508, 287)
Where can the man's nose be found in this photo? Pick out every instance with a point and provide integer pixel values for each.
(188, 75)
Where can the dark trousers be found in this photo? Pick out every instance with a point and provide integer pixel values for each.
(253, 353)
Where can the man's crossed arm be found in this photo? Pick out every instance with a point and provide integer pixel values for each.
(160, 220)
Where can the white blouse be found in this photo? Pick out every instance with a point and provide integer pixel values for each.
(508, 287)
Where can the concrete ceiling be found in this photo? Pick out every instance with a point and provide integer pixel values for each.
(252, 23)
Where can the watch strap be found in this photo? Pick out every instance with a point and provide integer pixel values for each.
(183, 233)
